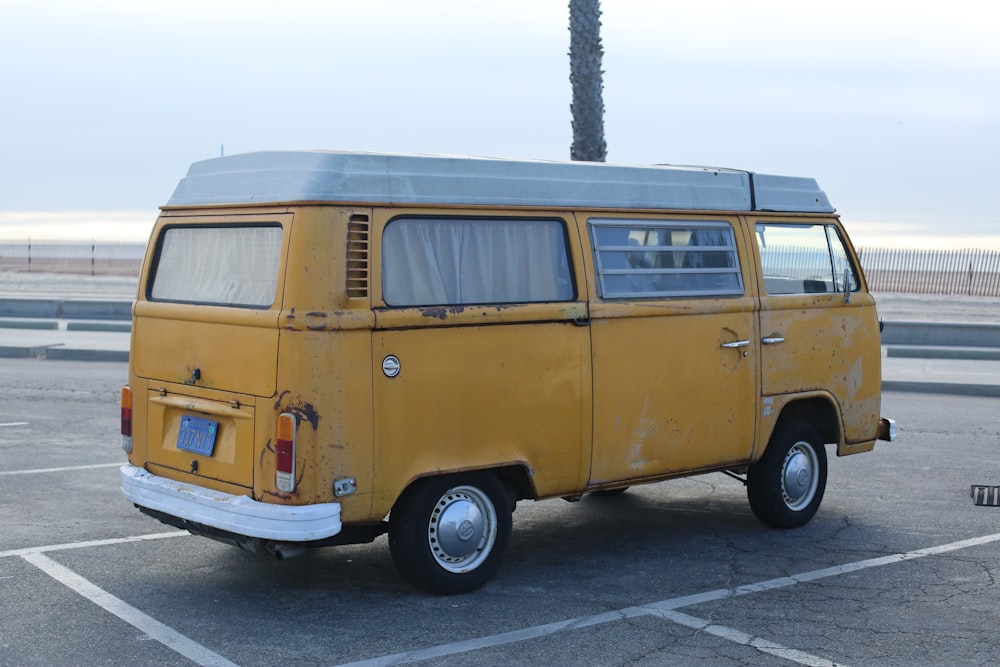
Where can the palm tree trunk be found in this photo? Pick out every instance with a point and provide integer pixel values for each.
(586, 77)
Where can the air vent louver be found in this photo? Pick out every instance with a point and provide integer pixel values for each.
(357, 257)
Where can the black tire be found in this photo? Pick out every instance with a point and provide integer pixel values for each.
(785, 487)
(448, 535)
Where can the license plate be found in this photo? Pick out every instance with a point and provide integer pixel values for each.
(197, 435)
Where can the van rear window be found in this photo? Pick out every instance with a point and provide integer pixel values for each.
(231, 265)
(463, 261)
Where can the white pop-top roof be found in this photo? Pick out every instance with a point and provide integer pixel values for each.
(331, 176)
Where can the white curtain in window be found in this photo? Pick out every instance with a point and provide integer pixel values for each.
(218, 265)
(460, 261)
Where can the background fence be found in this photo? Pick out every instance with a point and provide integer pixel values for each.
(79, 257)
(970, 272)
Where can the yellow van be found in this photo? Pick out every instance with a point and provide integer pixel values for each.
(328, 346)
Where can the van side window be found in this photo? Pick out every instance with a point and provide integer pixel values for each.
(231, 265)
(464, 261)
(804, 259)
(661, 258)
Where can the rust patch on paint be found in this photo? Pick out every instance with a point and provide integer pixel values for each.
(268, 447)
(442, 313)
(316, 320)
(303, 410)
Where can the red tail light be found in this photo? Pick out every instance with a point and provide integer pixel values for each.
(127, 418)
(285, 453)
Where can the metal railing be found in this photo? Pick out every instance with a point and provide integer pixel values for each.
(76, 257)
(967, 272)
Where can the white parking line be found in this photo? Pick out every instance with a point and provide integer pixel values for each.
(665, 609)
(92, 543)
(14, 424)
(730, 634)
(165, 635)
(63, 469)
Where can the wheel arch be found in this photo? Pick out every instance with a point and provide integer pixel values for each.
(818, 408)
(516, 477)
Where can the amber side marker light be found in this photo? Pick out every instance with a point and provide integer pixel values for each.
(127, 418)
(285, 453)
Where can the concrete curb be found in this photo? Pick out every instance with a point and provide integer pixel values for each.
(952, 388)
(62, 353)
(69, 354)
(47, 325)
(119, 327)
(943, 352)
(7, 352)
(53, 325)
(76, 309)
(951, 334)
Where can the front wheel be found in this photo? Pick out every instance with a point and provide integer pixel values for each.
(786, 486)
(448, 535)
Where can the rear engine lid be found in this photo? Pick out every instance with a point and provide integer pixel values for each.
(208, 347)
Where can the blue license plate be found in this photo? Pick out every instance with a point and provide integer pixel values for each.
(197, 435)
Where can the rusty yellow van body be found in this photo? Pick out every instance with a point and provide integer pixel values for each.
(328, 346)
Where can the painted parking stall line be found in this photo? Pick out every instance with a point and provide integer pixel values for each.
(66, 546)
(666, 609)
(740, 637)
(164, 634)
(8, 424)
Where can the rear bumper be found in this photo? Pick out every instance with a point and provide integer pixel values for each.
(887, 429)
(239, 515)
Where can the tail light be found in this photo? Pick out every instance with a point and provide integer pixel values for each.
(285, 453)
(127, 418)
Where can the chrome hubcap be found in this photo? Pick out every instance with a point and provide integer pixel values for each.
(462, 529)
(799, 476)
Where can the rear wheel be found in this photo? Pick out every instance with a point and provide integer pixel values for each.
(448, 535)
(786, 486)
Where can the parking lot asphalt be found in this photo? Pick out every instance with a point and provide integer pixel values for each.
(898, 567)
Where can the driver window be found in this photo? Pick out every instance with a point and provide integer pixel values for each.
(803, 259)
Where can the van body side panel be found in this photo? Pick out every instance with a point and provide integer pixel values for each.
(324, 369)
(668, 397)
(824, 345)
(480, 386)
(828, 347)
(481, 397)
(326, 383)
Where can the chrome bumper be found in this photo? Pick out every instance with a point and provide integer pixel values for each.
(239, 515)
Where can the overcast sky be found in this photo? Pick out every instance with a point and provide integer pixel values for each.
(894, 107)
